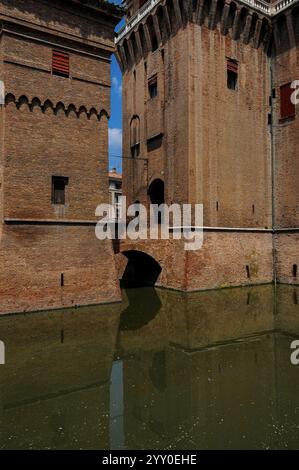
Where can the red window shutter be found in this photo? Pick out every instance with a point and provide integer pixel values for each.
(61, 63)
(232, 66)
(287, 108)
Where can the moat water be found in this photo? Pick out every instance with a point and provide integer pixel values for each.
(162, 370)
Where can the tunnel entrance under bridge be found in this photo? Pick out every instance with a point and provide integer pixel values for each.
(142, 270)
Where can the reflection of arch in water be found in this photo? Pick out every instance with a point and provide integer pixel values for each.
(144, 306)
(142, 270)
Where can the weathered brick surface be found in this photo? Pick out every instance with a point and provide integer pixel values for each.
(286, 168)
(285, 70)
(40, 145)
(216, 141)
(222, 262)
(287, 257)
(32, 259)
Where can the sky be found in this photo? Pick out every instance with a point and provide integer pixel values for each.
(115, 123)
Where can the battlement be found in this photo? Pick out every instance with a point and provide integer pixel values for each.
(270, 10)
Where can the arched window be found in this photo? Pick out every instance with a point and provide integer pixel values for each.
(156, 192)
(156, 195)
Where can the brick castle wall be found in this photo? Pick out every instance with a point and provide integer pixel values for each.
(55, 126)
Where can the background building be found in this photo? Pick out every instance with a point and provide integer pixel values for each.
(115, 189)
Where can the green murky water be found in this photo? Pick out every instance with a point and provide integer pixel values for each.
(162, 370)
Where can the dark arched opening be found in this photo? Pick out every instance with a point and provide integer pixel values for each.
(156, 195)
(142, 270)
(156, 192)
(144, 306)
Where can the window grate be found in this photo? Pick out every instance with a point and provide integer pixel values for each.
(61, 64)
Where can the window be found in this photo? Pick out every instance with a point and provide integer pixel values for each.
(287, 108)
(154, 143)
(248, 271)
(60, 64)
(153, 87)
(232, 74)
(58, 189)
(135, 150)
(156, 192)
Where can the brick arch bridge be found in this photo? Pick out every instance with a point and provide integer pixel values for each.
(204, 269)
(152, 262)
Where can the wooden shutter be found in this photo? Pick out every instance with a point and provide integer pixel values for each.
(287, 108)
(61, 63)
(232, 65)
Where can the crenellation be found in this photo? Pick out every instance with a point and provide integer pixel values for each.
(224, 19)
(257, 33)
(231, 18)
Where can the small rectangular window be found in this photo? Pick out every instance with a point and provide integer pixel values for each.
(135, 150)
(295, 269)
(153, 87)
(287, 108)
(58, 189)
(232, 74)
(60, 64)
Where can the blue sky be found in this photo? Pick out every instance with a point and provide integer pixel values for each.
(115, 124)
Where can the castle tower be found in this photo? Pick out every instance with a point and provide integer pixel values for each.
(203, 93)
(55, 65)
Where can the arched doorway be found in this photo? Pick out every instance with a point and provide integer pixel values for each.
(156, 192)
(142, 270)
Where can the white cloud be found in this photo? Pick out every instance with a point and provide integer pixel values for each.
(117, 86)
(115, 141)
